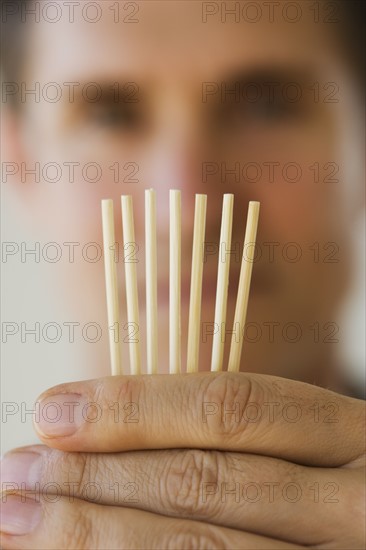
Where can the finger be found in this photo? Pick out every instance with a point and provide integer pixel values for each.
(236, 412)
(229, 489)
(63, 524)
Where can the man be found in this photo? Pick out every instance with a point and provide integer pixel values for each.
(251, 98)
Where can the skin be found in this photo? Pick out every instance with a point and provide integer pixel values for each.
(174, 134)
(201, 453)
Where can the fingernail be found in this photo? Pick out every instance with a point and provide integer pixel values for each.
(60, 415)
(20, 470)
(17, 517)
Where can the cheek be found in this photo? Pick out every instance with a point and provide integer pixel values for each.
(77, 169)
(296, 175)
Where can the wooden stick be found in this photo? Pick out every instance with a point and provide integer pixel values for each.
(151, 283)
(218, 342)
(244, 286)
(131, 284)
(175, 243)
(111, 285)
(194, 320)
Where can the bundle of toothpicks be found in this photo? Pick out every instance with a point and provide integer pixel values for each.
(175, 246)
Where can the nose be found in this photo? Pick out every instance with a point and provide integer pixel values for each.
(174, 158)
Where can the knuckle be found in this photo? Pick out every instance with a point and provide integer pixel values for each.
(78, 533)
(192, 537)
(227, 396)
(184, 479)
(72, 525)
(114, 400)
(76, 471)
(129, 396)
(128, 390)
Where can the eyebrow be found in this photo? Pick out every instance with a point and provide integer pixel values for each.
(102, 92)
(235, 83)
(281, 73)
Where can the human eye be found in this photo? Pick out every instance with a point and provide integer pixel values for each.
(270, 110)
(117, 117)
(267, 107)
(114, 113)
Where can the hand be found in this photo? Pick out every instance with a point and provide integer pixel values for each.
(213, 461)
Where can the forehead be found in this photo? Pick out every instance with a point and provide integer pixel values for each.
(175, 38)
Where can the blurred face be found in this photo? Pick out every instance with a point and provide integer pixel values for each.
(185, 100)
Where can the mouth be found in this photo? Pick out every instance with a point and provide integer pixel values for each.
(260, 283)
(264, 280)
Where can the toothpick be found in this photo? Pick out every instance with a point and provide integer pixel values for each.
(151, 283)
(194, 321)
(175, 282)
(111, 285)
(131, 284)
(218, 342)
(244, 286)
